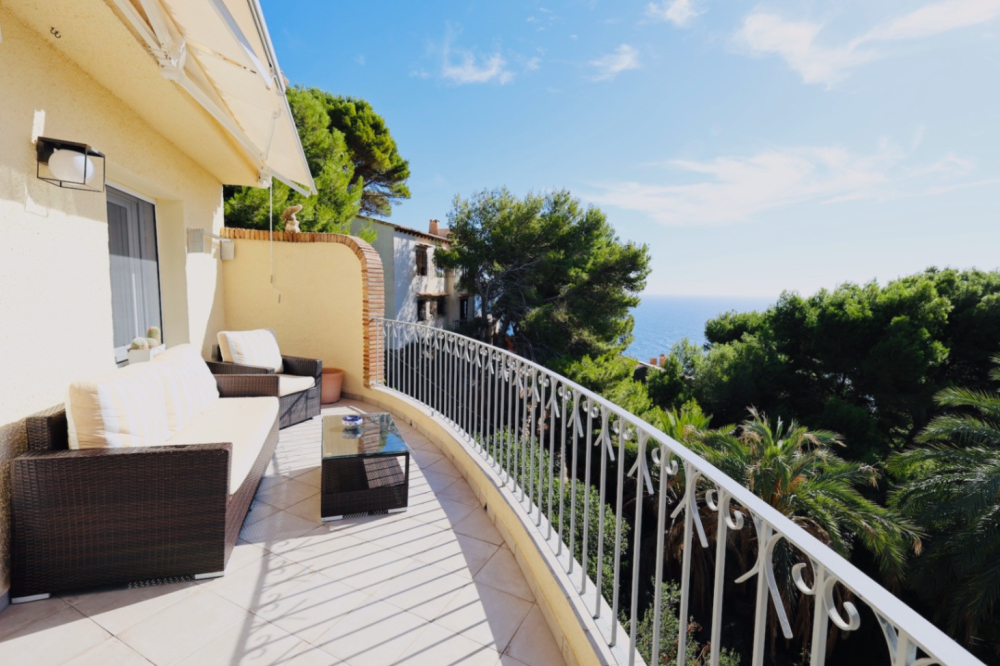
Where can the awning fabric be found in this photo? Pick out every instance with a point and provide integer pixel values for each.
(221, 53)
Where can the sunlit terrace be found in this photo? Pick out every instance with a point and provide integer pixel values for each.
(435, 584)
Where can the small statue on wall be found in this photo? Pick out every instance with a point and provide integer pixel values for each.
(288, 217)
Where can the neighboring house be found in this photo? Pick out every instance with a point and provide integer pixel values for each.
(180, 98)
(416, 289)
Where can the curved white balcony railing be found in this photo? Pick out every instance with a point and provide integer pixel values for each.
(520, 417)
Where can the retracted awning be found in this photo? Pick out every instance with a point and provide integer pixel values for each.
(220, 52)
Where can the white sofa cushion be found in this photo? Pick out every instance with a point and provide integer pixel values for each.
(289, 384)
(245, 422)
(124, 408)
(258, 347)
(190, 386)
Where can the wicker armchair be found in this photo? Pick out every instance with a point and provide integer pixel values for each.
(295, 407)
(94, 517)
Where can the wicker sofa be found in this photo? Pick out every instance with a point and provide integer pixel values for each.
(92, 517)
(300, 398)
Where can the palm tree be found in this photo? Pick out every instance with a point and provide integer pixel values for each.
(794, 470)
(951, 487)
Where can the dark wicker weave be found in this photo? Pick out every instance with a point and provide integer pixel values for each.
(364, 484)
(296, 407)
(96, 517)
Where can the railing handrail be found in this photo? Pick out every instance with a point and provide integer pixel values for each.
(907, 622)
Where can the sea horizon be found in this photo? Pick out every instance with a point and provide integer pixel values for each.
(663, 320)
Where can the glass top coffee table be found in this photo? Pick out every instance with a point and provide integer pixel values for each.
(364, 469)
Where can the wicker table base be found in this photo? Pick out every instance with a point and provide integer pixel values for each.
(363, 485)
(375, 479)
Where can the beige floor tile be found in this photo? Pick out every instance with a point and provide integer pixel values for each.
(286, 493)
(425, 457)
(417, 441)
(311, 605)
(255, 584)
(279, 527)
(258, 511)
(111, 652)
(309, 509)
(459, 492)
(410, 537)
(363, 528)
(53, 639)
(533, 643)
(321, 539)
(310, 477)
(421, 589)
(256, 642)
(363, 566)
(507, 660)
(374, 634)
(502, 573)
(479, 526)
(117, 610)
(485, 615)
(184, 628)
(429, 480)
(441, 512)
(436, 646)
(298, 600)
(446, 467)
(243, 554)
(342, 554)
(18, 616)
(458, 554)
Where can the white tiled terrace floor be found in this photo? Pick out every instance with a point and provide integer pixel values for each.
(432, 586)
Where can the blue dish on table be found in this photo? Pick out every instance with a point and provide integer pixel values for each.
(351, 422)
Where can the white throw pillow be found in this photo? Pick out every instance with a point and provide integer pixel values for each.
(258, 347)
(121, 409)
(190, 386)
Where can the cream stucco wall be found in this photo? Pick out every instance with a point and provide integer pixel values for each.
(315, 305)
(55, 293)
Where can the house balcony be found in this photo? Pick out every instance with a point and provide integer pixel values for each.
(495, 561)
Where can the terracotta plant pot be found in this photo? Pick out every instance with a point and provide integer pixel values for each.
(333, 380)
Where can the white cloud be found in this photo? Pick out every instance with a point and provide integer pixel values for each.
(796, 42)
(623, 58)
(937, 18)
(531, 64)
(734, 189)
(678, 12)
(461, 66)
(360, 59)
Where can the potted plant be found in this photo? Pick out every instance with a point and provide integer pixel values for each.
(143, 349)
(333, 381)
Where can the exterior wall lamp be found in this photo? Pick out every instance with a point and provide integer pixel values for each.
(68, 164)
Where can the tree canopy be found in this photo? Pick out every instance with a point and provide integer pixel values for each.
(379, 170)
(337, 200)
(549, 276)
(862, 360)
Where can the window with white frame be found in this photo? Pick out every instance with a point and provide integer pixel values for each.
(135, 269)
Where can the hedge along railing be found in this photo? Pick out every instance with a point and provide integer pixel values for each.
(501, 402)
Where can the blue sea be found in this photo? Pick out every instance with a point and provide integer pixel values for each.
(660, 321)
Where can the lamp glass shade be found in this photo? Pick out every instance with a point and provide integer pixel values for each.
(71, 166)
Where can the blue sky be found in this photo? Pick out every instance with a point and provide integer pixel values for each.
(754, 146)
